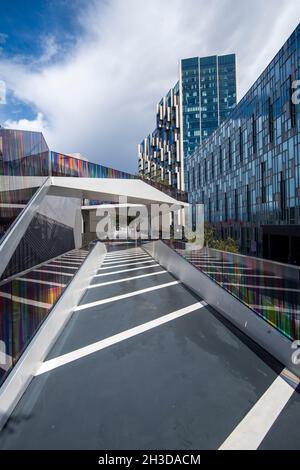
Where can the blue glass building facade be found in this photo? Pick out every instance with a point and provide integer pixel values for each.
(203, 97)
(247, 172)
(208, 87)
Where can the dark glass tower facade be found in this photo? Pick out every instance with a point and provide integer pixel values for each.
(247, 172)
(208, 95)
(203, 97)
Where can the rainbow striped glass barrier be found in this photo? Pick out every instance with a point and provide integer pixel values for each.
(22, 155)
(270, 289)
(65, 165)
(26, 300)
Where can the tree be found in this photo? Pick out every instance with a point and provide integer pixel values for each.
(212, 241)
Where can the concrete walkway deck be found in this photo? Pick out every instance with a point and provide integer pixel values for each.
(145, 364)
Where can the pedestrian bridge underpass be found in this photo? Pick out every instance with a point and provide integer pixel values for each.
(153, 346)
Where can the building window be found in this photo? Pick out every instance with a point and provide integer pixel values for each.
(217, 198)
(220, 160)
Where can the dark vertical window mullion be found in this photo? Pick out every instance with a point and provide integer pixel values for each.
(282, 196)
(271, 120)
(241, 145)
(229, 153)
(248, 204)
(263, 182)
(236, 205)
(292, 105)
(254, 137)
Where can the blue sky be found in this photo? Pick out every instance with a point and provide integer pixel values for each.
(22, 26)
(25, 22)
(88, 73)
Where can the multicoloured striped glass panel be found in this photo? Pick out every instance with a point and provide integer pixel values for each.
(270, 289)
(25, 302)
(22, 155)
(65, 165)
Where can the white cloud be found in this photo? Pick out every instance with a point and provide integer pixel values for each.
(100, 99)
(2, 92)
(50, 49)
(38, 124)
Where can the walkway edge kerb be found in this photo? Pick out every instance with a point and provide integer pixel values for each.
(227, 305)
(23, 372)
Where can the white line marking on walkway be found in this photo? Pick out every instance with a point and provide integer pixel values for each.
(114, 255)
(22, 300)
(62, 261)
(117, 281)
(105, 343)
(67, 260)
(155, 265)
(60, 266)
(124, 253)
(251, 431)
(127, 260)
(119, 258)
(128, 264)
(51, 272)
(39, 281)
(124, 296)
(73, 256)
(120, 255)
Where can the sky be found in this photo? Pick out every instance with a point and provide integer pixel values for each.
(88, 73)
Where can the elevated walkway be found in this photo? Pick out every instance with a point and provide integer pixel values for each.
(146, 363)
